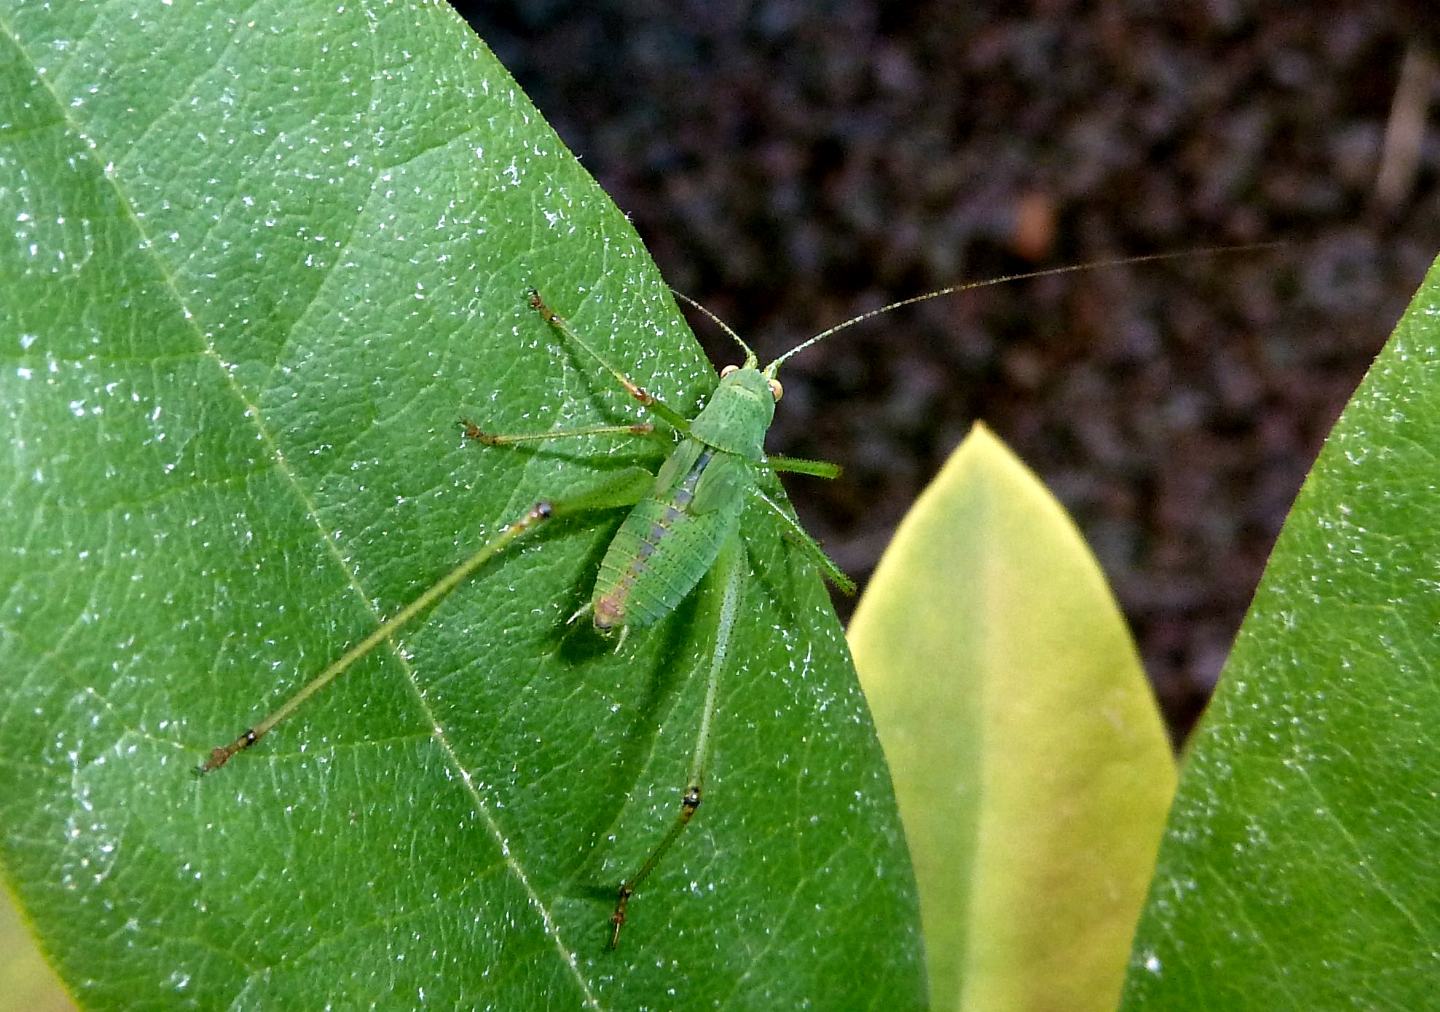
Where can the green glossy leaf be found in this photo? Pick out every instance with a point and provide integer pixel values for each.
(1298, 869)
(1029, 759)
(258, 260)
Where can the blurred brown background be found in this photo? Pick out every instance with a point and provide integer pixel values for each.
(792, 164)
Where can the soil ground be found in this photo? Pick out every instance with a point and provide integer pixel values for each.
(792, 164)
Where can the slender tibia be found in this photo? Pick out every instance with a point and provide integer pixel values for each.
(727, 576)
(622, 488)
(473, 431)
(689, 802)
(531, 519)
(801, 465)
(796, 533)
(672, 417)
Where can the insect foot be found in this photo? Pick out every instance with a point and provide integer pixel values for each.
(221, 755)
(473, 431)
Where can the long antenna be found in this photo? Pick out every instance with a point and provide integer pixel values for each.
(751, 360)
(771, 369)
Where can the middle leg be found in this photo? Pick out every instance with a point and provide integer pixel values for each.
(473, 431)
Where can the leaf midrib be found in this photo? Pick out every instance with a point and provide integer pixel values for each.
(272, 448)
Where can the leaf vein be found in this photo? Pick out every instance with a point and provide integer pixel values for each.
(312, 512)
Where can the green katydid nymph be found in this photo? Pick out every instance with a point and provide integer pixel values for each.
(683, 527)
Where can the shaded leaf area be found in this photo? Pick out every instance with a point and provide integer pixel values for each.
(262, 258)
(1030, 761)
(1297, 870)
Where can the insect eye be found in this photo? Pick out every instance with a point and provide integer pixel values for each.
(728, 370)
(776, 388)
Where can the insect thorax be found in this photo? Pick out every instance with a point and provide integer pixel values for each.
(737, 415)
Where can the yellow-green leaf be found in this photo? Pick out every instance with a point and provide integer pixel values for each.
(26, 982)
(1030, 762)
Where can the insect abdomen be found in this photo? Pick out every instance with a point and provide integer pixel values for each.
(662, 550)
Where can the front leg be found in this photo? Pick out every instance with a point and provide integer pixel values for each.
(673, 418)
